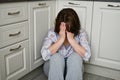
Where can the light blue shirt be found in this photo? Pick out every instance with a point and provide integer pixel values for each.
(52, 37)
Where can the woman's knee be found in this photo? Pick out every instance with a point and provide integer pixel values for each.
(75, 63)
(57, 59)
(75, 59)
(56, 55)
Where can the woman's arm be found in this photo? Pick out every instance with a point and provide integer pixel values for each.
(45, 52)
(54, 47)
(83, 48)
(77, 47)
(49, 47)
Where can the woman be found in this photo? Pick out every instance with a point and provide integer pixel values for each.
(65, 48)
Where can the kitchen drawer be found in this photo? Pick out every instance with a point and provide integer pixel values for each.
(13, 33)
(15, 61)
(13, 12)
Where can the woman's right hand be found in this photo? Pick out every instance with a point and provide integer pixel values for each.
(62, 31)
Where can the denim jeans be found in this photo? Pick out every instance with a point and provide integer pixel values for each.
(59, 68)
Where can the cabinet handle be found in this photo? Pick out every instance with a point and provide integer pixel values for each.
(16, 48)
(15, 34)
(13, 13)
(42, 4)
(71, 3)
(109, 5)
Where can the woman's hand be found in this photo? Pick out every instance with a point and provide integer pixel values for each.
(78, 48)
(62, 31)
(70, 36)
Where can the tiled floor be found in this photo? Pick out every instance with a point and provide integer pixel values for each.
(40, 76)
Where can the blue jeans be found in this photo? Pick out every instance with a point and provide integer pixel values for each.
(55, 67)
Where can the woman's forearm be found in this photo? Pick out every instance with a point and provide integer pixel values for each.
(79, 49)
(54, 47)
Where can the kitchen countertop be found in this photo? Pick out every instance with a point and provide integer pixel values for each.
(9, 1)
(6, 1)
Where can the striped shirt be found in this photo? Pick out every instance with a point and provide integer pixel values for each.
(52, 37)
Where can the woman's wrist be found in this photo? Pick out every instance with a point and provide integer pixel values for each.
(71, 40)
(61, 39)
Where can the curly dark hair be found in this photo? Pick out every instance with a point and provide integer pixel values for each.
(70, 17)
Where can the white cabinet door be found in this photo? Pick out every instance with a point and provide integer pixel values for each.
(14, 61)
(83, 9)
(41, 19)
(105, 35)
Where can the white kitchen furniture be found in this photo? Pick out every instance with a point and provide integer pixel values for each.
(14, 50)
(21, 36)
(14, 61)
(102, 23)
(11, 13)
(105, 36)
(83, 9)
(41, 18)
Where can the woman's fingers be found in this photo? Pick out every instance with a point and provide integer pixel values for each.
(70, 35)
(62, 26)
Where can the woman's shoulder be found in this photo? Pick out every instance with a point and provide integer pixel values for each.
(52, 34)
(51, 31)
(82, 30)
(83, 34)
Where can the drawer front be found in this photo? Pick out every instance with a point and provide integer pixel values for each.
(15, 61)
(13, 12)
(10, 34)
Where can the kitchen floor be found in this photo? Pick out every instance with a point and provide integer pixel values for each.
(38, 74)
(86, 77)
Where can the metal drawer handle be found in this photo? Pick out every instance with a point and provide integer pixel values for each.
(42, 4)
(72, 3)
(15, 34)
(16, 48)
(13, 13)
(109, 5)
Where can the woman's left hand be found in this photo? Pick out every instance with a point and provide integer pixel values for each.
(70, 36)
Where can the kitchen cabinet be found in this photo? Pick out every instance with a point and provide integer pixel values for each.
(41, 18)
(105, 43)
(83, 9)
(105, 40)
(14, 50)
(14, 60)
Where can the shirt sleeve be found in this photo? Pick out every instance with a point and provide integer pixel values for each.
(84, 42)
(49, 39)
